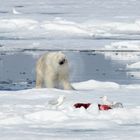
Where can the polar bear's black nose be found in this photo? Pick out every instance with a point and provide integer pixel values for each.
(62, 61)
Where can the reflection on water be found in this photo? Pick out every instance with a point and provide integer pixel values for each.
(17, 71)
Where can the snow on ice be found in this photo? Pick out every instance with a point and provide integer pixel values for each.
(42, 25)
(27, 112)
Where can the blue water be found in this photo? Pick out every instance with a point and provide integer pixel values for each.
(34, 27)
(17, 71)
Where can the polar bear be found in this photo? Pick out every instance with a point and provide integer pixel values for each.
(52, 71)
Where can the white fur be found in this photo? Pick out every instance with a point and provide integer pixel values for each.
(50, 74)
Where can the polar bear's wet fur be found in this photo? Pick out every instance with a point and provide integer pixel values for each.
(52, 71)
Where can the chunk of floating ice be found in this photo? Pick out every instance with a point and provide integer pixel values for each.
(134, 66)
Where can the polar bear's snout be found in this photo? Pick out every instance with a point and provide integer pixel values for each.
(61, 62)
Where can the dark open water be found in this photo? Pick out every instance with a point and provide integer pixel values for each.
(17, 71)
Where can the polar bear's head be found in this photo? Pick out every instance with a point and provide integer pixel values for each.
(61, 58)
(57, 59)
